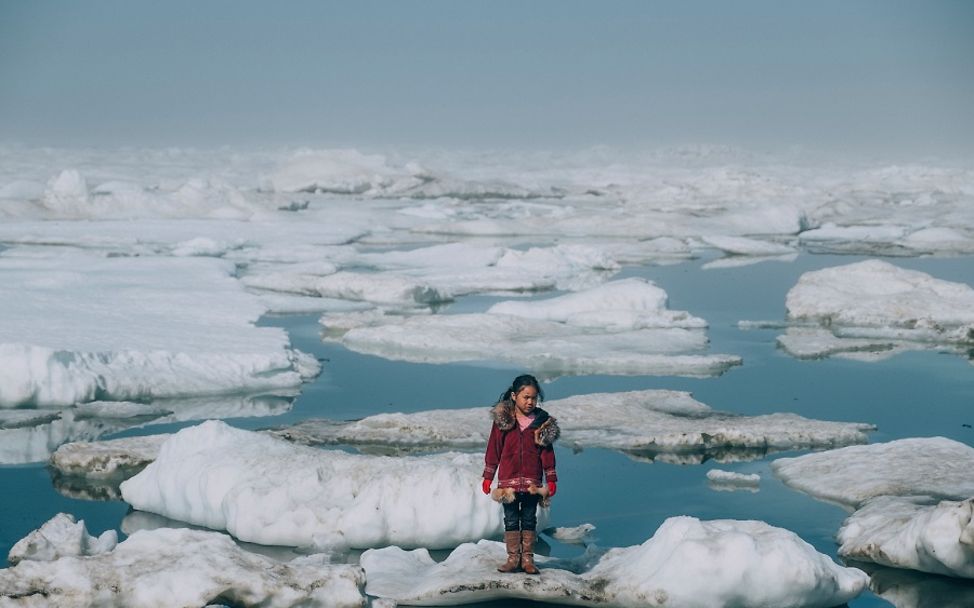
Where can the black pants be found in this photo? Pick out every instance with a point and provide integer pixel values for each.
(522, 513)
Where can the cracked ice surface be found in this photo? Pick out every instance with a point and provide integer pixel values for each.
(267, 491)
(621, 327)
(649, 420)
(179, 567)
(84, 328)
(687, 563)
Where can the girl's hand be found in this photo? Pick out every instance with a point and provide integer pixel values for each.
(486, 486)
(552, 488)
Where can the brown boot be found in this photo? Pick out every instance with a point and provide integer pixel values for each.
(513, 542)
(527, 551)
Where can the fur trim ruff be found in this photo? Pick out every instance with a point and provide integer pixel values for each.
(506, 495)
(546, 433)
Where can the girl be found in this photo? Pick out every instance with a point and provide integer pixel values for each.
(520, 451)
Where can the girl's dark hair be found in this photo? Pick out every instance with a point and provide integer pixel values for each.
(519, 383)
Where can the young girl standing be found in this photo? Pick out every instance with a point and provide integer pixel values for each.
(520, 452)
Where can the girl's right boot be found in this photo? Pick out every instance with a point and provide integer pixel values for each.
(512, 540)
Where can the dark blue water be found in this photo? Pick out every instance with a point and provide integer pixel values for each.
(909, 395)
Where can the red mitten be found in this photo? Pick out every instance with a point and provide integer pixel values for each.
(552, 487)
(486, 486)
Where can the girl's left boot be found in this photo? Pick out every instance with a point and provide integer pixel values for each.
(528, 538)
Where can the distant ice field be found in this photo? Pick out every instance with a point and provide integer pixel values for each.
(147, 290)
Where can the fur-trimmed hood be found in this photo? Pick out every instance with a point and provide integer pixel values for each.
(545, 426)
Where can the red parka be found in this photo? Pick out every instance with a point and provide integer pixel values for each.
(520, 458)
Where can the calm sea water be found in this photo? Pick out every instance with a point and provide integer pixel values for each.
(910, 395)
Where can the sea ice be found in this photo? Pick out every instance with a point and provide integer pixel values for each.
(120, 458)
(647, 421)
(264, 490)
(575, 534)
(729, 481)
(85, 328)
(61, 536)
(687, 563)
(911, 532)
(33, 435)
(181, 568)
(911, 499)
(621, 327)
(871, 298)
(930, 466)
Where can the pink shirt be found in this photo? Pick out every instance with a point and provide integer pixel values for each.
(524, 421)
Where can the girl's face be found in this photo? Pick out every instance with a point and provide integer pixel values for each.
(526, 399)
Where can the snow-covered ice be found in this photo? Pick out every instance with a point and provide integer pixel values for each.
(729, 481)
(877, 299)
(134, 329)
(911, 500)
(621, 327)
(929, 466)
(264, 490)
(645, 421)
(687, 563)
(180, 568)
(911, 532)
(61, 536)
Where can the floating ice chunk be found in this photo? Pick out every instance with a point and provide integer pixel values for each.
(738, 245)
(877, 294)
(267, 491)
(379, 288)
(650, 421)
(133, 329)
(113, 458)
(687, 562)
(912, 533)
(61, 536)
(637, 337)
(932, 466)
(177, 567)
(941, 240)
(728, 480)
(818, 342)
(618, 305)
(576, 534)
(739, 261)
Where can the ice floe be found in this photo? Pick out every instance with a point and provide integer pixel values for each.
(179, 567)
(648, 422)
(575, 534)
(134, 329)
(911, 532)
(688, 562)
(911, 500)
(621, 327)
(107, 459)
(264, 490)
(930, 466)
(61, 536)
(729, 481)
(872, 309)
(32, 435)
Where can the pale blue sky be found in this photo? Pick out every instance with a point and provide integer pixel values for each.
(864, 74)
